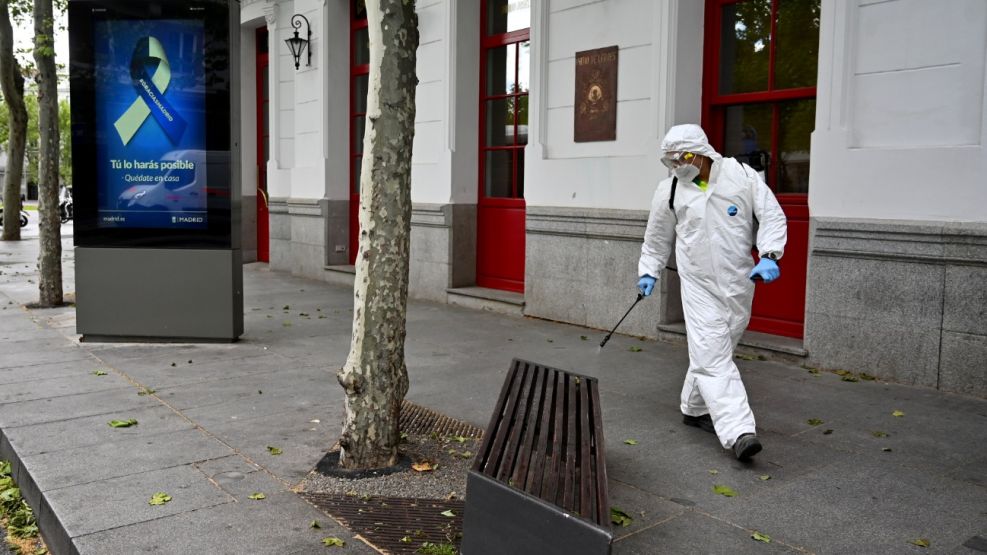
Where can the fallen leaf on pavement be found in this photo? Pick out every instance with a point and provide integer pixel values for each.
(764, 477)
(448, 513)
(274, 451)
(159, 498)
(122, 423)
(617, 516)
(257, 496)
(635, 349)
(814, 422)
(423, 466)
(898, 413)
(761, 537)
(714, 471)
(98, 373)
(921, 542)
(630, 441)
(333, 541)
(724, 491)
(314, 524)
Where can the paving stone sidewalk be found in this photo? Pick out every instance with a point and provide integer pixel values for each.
(861, 481)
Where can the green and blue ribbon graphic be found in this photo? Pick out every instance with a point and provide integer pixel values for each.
(150, 55)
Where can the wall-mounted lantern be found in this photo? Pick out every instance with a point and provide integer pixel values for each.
(298, 45)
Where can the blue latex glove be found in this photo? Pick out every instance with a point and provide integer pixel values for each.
(646, 284)
(767, 270)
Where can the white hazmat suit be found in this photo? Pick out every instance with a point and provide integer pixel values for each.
(715, 234)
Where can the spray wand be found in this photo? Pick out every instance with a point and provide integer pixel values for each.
(607, 338)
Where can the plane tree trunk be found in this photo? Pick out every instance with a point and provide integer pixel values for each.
(375, 377)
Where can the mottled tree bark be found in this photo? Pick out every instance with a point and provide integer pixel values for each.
(49, 219)
(375, 377)
(12, 85)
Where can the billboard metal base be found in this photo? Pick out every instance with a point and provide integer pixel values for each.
(143, 294)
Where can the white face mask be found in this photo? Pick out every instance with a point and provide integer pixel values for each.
(686, 173)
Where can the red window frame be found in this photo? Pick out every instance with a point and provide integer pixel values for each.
(487, 43)
(356, 155)
(715, 103)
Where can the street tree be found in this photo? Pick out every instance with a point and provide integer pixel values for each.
(50, 225)
(12, 86)
(375, 377)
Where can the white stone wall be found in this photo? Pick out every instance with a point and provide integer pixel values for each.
(659, 82)
(900, 120)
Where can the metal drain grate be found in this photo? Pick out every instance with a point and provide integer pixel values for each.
(416, 419)
(386, 521)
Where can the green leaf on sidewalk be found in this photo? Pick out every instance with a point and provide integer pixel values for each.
(764, 477)
(257, 496)
(714, 471)
(921, 542)
(314, 524)
(619, 517)
(813, 422)
(448, 513)
(583, 337)
(898, 413)
(635, 349)
(98, 373)
(274, 451)
(761, 537)
(724, 491)
(333, 541)
(122, 423)
(159, 498)
(630, 441)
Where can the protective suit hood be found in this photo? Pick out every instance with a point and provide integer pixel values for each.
(689, 138)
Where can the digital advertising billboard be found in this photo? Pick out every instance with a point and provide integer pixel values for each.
(150, 114)
(150, 85)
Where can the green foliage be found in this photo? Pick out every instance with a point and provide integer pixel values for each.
(20, 518)
(429, 548)
(619, 517)
(159, 498)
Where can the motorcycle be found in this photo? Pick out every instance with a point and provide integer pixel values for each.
(65, 210)
(23, 218)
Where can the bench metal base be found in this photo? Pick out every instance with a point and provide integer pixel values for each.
(500, 519)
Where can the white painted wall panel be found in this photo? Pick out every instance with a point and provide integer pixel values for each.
(919, 77)
(431, 23)
(431, 62)
(428, 142)
(900, 112)
(429, 105)
(622, 22)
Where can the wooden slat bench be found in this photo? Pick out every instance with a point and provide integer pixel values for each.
(539, 481)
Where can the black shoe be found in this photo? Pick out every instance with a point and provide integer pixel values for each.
(704, 422)
(746, 446)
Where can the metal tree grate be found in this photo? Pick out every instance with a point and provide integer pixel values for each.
(394, 524)
(419, 420)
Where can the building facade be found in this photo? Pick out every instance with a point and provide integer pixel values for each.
(865, 117)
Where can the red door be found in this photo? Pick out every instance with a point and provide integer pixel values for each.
(263, 148)
(359, 82)
(504, 78)
(759, 104)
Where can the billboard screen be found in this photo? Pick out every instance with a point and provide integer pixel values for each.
(150, 115)
(152, 132)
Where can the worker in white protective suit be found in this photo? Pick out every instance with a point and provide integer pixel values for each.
(712, 205)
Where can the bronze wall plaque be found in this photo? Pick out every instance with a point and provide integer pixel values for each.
(596, 95)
